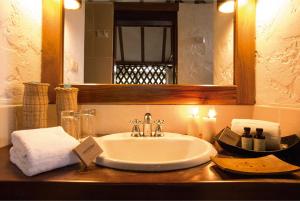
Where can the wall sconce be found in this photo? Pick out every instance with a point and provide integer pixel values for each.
(72, 4)
(226, 6)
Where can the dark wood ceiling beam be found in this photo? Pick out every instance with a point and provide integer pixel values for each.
(137, 6)
(163, 57)
(142, 43)
(121, 42)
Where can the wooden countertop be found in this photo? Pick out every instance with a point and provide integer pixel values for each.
(202, 182)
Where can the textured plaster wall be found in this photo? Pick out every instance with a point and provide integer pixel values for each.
(278, 52)
(195, 44)
(20, 57)
(20, 47)
(205, 45)
(74, 45)
(223, 48)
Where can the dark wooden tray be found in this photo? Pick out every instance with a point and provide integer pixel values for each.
(290, 142)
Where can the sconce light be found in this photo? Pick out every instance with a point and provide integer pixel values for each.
(226, 6)
(72, 4)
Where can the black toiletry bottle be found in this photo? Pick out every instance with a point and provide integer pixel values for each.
(247, 140)
(259, 140)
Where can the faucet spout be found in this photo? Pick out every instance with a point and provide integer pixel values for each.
(147, 130)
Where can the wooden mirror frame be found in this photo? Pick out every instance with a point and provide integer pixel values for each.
(242, 92)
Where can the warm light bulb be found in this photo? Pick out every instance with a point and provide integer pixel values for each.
(212, 113)
(242, 2)
(72, 4)
(227, 6)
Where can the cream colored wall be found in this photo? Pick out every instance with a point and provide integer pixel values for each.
(223, 48)
(115, 118)
(74, 45)
(278, 53)
(205, 45)
(278, 63)
(20, 47)
(195, 57)
(20, 57)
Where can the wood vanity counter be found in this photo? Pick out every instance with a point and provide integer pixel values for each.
(202, 182)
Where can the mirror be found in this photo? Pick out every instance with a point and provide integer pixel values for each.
(108, 45)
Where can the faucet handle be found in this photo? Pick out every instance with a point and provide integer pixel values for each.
(135, 122)
(159, 122)
(158, 129)
(135, 132)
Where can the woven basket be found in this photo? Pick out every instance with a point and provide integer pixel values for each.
(35, 105)
(66, 99)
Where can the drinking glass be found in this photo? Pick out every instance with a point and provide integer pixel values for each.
(70, 121)
(88, 122)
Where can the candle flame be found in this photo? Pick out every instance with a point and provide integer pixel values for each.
(195, 111)
(212, 113)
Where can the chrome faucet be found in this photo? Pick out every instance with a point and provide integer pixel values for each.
(147, 125)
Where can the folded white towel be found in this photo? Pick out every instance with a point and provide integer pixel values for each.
(271, 130)
(40, 150)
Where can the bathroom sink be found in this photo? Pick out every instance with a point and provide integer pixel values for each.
(170, 152)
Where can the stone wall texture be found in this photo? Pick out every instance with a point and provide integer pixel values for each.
(278, 52)
(20, 47)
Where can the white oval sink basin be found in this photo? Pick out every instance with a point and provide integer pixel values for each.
(170, 152)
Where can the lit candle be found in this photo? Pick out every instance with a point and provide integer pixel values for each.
(193, 127)
(209, 126)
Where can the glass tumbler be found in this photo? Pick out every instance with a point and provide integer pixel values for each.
(70, 121)
(88, 122)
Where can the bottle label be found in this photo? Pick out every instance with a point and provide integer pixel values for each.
(247, 143)
(259, 145)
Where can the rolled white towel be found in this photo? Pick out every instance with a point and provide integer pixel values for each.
(40, 150)
(271, 130)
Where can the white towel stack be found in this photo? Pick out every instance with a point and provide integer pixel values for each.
(271, 130)
(40, 150)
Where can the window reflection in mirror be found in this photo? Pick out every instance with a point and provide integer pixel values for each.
(193, 45)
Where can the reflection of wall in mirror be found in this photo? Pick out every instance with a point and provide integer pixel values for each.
(223, 48)
(205, 45)
(88, 43)
(74, 45)
(205, 49)
(98, 58)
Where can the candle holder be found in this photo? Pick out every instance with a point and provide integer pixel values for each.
(209, 126)
(193, 126)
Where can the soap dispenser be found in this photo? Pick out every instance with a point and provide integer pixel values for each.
(247, 140)
(147, 130)
(259, 140)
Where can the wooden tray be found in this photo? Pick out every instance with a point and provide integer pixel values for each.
(267, 165)
(289, 141)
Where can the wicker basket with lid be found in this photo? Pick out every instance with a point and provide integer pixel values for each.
(66, 99)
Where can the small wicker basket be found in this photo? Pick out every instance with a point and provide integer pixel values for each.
(66, 99)
(35, 105)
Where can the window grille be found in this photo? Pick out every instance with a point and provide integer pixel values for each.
(143, 74)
